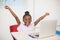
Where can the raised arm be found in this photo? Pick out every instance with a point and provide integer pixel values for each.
(14, 15)
(39, 19)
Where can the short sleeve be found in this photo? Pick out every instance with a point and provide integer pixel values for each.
(19, 27)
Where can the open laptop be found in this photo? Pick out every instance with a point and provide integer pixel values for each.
(47, 28)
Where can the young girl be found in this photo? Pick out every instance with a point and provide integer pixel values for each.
(27, 26)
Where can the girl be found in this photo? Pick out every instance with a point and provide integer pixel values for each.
(27, 26)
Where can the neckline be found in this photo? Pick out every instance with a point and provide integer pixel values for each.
(28, 25)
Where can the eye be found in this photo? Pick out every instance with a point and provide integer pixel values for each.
(25, 19)
(29, 19)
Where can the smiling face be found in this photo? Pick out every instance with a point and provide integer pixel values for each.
(27, 20)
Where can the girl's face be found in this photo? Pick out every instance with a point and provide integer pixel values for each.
(27, 20)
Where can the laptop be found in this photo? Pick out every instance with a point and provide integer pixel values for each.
(47, 28)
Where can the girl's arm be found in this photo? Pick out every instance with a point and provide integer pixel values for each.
(39, 19)
(15, 16)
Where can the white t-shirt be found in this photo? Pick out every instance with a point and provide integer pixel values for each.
(24, 28)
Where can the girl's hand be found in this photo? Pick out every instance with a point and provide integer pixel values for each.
(47, 14)
(7, 7)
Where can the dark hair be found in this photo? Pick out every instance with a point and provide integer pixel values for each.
(26, 14)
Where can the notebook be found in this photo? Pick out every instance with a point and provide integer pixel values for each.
(47, 28)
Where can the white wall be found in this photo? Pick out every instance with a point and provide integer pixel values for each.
(4, 25)
(51, 6)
